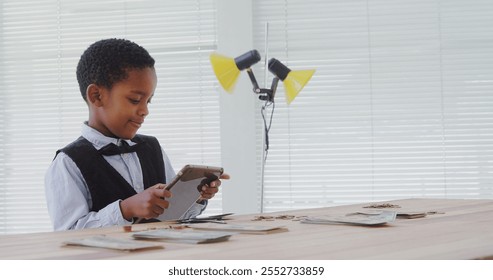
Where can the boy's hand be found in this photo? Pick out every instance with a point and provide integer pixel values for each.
(148, 204)
(208, 191)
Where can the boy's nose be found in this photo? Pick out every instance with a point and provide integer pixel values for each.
(143, 110)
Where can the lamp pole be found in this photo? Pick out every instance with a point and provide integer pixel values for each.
(262, 165)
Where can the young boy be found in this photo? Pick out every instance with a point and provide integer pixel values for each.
(111, 175)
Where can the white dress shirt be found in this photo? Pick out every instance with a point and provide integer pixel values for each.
(69, 199)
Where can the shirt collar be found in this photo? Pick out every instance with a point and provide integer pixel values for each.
(99, 140)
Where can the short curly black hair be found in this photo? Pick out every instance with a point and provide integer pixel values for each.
(108, 61)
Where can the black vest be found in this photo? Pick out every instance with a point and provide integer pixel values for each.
(104, 182)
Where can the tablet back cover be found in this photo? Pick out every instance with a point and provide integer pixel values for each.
(186, 188)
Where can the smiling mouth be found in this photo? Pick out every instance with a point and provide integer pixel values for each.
(137, 124)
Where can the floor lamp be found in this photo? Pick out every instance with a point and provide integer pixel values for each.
(227, 71)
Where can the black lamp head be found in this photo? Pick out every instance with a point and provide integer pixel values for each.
(247, 59)
(278, 69)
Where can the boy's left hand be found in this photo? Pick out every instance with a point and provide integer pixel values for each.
(208, 191)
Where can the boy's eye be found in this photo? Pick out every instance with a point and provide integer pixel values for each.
(134, 101)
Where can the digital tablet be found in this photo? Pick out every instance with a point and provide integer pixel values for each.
(186, 188)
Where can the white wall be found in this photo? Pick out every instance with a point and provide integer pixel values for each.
(240, 193)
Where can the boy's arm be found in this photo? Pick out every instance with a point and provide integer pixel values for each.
(69, 201)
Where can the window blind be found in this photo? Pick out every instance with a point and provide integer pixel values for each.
(400, 105)
(42, 110)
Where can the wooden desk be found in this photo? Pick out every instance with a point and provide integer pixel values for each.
(463, 231)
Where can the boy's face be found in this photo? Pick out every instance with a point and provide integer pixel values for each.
(122, 109)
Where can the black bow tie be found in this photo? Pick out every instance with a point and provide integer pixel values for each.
(113, 149)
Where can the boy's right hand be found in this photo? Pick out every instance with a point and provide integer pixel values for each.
(148, 204)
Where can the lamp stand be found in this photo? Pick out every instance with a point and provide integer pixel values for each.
(267, 95)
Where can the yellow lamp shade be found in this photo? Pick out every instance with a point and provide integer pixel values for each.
(225, 70)
(228, 69)
(294, 83)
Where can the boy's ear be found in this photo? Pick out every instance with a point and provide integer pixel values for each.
(93, 93)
